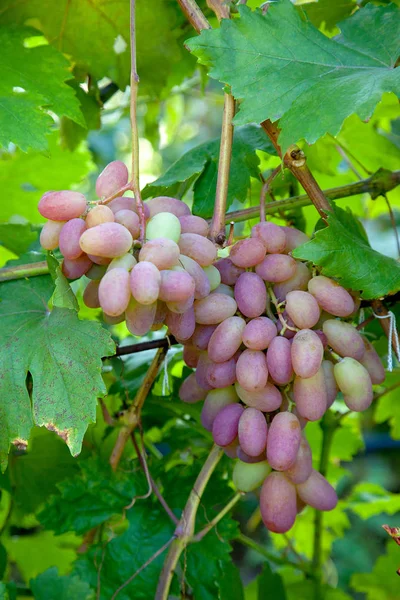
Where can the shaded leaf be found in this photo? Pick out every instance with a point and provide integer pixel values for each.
(50, 586)
(383, 582)
(32, 82)
(282, 67)
(91, 497)
(342, 251)
(36, 472)
(230, 584)
(149, 529)
(388, 407)
(95, 33)
(305, 590)
(17, 237)
(328, 13)
(199, 166)
(270, 583)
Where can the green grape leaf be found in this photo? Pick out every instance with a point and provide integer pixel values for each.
(387, 407)
(33, 82)
(17, 237)
(149, 530)
(205, 561)
(342, 251)
(370, 499)
(26, 177)
(327, 13)
(63, 356)
(6, 593)
(199, 167)
(230, 584)
(270, 584)
(36, 472)
(71, 133)
(63, 296)
(96, 35)
(383, 582)
(304, 590)
(69, 587)
(49, 550)
(281, 67)
(91, 497)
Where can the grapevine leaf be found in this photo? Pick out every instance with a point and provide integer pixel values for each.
(205, 561)
(149, 529)
(342, 251)
(32, 82)
(50, 585)
(50, 550)
(388, 408)
(96, 35)
(90, 497)
(63, 356)
(26, 177)
(63, 296)
(370, 499)
(305, 590)
(328, 13)
(17, 237)
(270, 583)
(383, 582)
(200, 164)
(36, 472)
(282, 67)
(230, 584)
(72, 133)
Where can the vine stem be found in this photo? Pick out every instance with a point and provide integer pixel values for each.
(265, 189)
(199, 536)
(134, 126)
(294, 159)
(21, 271)
(376, 185)
(194, 15)
(329, 425)
(185, 529)
(199, 22)
(217, 227)
(278, 560)
(165, 342)
(132, 416)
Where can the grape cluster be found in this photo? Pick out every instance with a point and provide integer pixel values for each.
(271, 343)
(271, 353)
(146, 284)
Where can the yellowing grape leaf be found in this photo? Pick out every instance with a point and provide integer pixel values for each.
(281, 67)
(342, 251)
(32, 82)
(63, 356)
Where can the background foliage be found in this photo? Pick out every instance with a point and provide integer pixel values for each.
(329, 71)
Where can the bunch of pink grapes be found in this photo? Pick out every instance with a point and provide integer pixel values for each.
(270, 341)
(146, 284)
(272, 346)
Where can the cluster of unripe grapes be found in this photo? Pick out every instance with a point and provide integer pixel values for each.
(271, 343)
